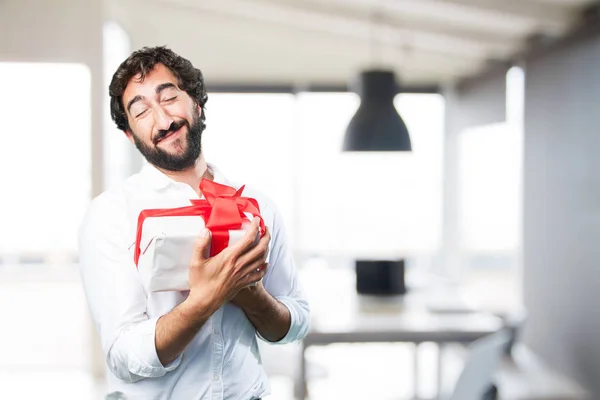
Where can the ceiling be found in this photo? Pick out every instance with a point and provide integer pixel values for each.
(327, 42)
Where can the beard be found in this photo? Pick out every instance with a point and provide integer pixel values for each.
(162, 159)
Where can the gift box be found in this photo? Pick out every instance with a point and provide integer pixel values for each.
(165, 236)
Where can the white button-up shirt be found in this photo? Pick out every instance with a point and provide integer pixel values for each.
(223, 360)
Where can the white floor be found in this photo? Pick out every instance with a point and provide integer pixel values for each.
(45, 351)
(30, 384)
(342, 372)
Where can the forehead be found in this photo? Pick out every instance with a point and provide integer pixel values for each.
(146, 87)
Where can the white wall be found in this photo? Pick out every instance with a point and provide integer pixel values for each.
(561, 257)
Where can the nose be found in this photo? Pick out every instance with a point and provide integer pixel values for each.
(163, 120)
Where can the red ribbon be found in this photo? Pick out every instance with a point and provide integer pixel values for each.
(222, 210)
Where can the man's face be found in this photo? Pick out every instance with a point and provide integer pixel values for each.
(164, 121)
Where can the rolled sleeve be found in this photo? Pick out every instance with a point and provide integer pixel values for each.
(115, 295)
(136, 349)
(299, 319)
(283, 284)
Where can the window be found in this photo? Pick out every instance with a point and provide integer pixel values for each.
(45, 158)
(368, 203)
(326, 196)
(249, 138)
(490, 170)
(490, 205)
(490, 176)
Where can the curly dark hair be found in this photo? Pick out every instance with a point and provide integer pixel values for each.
(141, 62)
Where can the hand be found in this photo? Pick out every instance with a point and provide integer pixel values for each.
(250, 294)
(221, 277)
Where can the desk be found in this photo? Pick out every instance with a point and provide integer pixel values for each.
(339, 315)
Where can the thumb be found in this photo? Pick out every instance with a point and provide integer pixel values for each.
(202, 245)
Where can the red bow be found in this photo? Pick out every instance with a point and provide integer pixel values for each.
(222, 210)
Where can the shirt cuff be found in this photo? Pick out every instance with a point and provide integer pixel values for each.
(139, 346)
(298, 319)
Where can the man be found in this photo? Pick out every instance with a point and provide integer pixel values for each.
(198, 344)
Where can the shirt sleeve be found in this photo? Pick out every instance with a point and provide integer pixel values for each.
(114, 293)
(282, 283)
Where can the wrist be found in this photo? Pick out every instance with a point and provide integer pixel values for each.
(200, 305)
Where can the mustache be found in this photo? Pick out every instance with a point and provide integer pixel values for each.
(175, 125)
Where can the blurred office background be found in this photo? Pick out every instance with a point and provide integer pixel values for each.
(496, 210)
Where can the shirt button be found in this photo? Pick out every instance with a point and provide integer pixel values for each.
(216, 332)
(215, 377)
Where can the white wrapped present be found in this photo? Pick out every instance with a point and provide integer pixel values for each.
(165, 237)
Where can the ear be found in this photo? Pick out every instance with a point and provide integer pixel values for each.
(129, 135)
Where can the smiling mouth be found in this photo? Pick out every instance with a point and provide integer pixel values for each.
(168, 135)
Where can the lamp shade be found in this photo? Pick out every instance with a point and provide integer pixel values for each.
(377, 126)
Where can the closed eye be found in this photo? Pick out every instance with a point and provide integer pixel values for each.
(140, 114)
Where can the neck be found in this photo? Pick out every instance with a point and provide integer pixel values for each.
(193, 175)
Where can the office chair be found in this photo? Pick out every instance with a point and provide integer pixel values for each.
(476, 379)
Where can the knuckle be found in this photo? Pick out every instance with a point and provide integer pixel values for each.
(264, 249)
(231, 264)
(263, 254)
(238, 266)
(228, 257)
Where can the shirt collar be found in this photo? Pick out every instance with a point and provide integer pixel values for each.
(155, 179)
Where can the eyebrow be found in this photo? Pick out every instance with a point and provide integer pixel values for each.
(132, 101)
(159, 88)
(163, 86)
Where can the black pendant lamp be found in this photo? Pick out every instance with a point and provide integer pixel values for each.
(377, 126)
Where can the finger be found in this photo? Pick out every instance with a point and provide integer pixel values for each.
(260, 251)
(264, 267)
(259, 238)
(254, 276)
(201, 249)
(268, 235)
(256, 266)
(248, 240)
